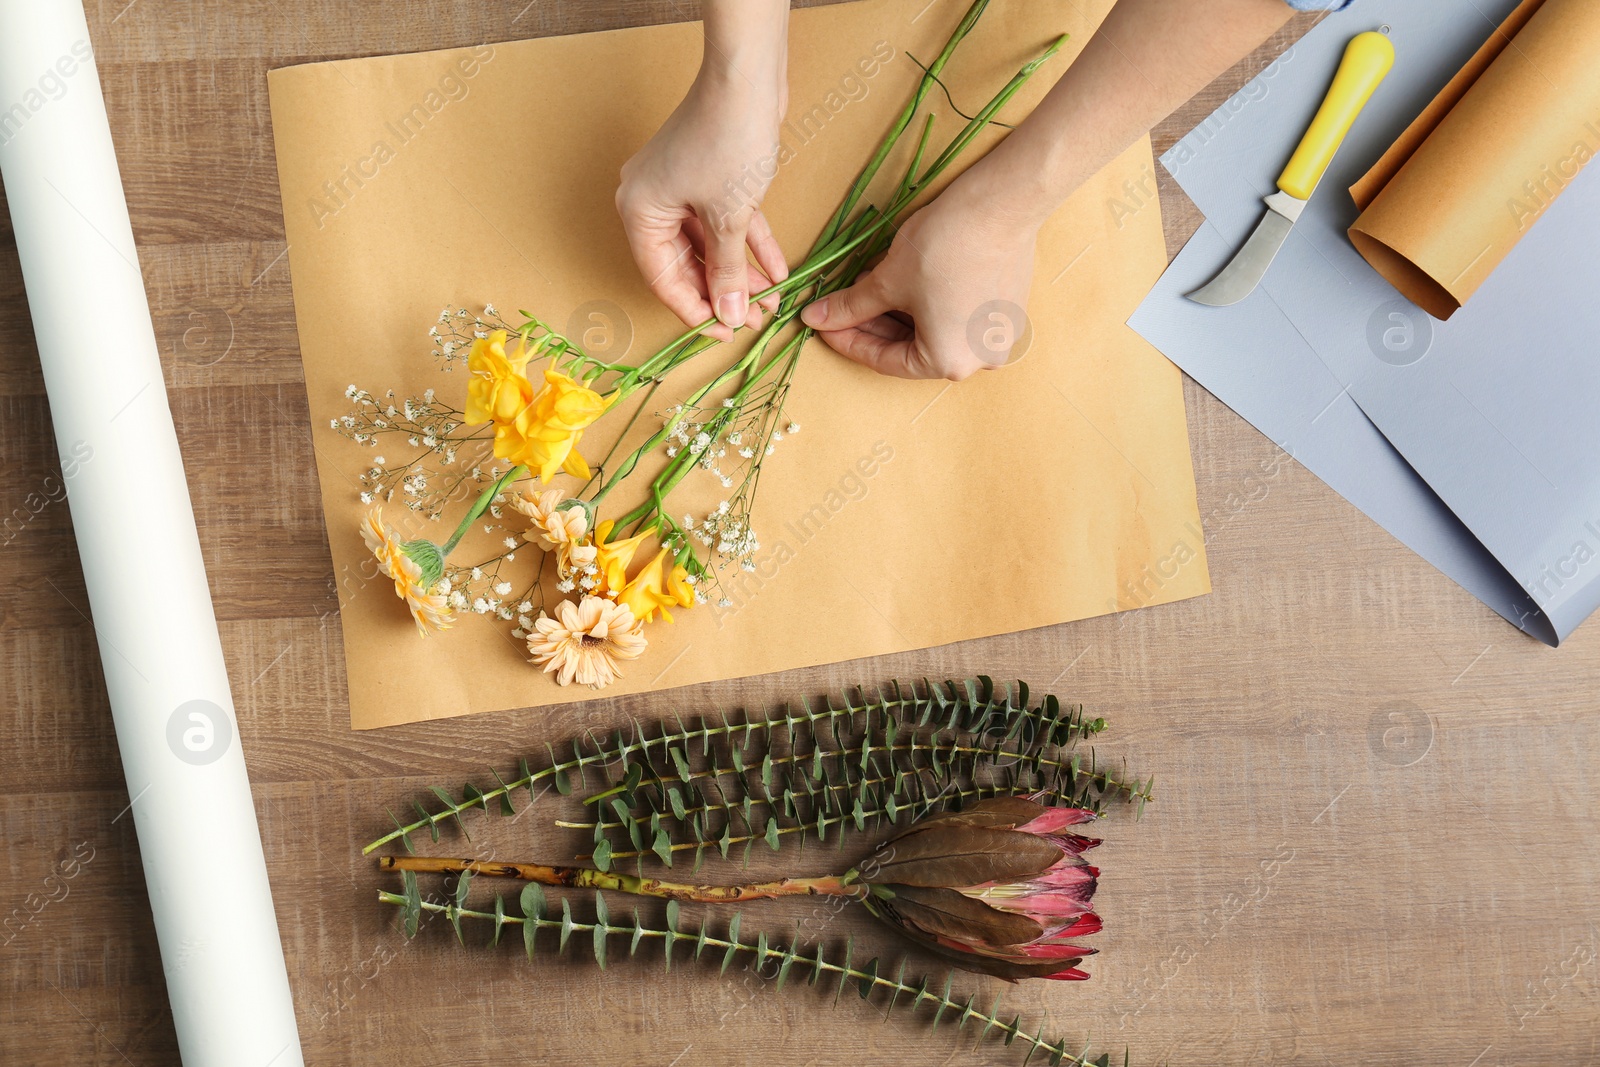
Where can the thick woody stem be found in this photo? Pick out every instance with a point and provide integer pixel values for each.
(828, 886)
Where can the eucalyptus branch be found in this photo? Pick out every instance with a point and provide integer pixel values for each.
(974, 706)
(762, 955)
(867, 812)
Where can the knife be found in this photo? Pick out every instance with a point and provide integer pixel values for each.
(1366, 63)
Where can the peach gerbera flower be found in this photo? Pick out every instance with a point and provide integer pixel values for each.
(552, 523)
(585, 641)
(430, 610)
(563, 529)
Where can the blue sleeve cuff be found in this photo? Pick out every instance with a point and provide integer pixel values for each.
(1319, 5)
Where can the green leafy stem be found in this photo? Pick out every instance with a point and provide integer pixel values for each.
(973, 706)
(867, 978)
(949, 775)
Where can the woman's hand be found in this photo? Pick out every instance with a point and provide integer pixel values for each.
(690, 199)
(946, 301)
(949, 297)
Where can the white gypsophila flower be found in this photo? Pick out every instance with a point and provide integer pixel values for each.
(794, 428)
(502, 588)
(481, 606)
(525, 606)
(510, 542)
(477, 574)
(366, 498)
(566, 585)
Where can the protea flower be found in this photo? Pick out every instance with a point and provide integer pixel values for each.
(998, 888)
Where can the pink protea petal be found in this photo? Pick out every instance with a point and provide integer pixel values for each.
(1057, 952)
(1071, 974)
(1054, 819)
(1047, 908)
(1073, 844)
(1086, 924)
(1065, 876)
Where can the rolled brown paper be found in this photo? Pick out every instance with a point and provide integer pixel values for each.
(1502, 147)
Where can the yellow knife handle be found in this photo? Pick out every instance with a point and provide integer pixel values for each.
(1366, 63)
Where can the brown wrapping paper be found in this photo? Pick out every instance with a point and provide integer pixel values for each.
(1487, 157)
(903, 515)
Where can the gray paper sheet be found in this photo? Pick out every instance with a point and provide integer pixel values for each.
(1475, 441)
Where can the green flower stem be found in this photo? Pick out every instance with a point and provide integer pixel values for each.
(660, 436)
(588, 877)
(685, 460)
(930, 77)
(481, 505)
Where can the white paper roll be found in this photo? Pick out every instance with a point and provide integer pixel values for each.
(141, 556)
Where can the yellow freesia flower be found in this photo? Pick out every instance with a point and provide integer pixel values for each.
(678, 585)
(654, 589)
(613, 557)
(499, 388)
(544, 435)
(538, 429)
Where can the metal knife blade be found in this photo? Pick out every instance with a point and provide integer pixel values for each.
(1249, 265)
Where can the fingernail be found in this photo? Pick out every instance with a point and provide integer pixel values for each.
(815, 314)
(732, 308)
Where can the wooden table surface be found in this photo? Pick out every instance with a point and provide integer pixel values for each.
(1374, 838)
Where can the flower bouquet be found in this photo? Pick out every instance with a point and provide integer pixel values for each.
(585, 555)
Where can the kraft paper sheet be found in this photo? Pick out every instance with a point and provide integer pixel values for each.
(903, 515)
(1486, 159)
